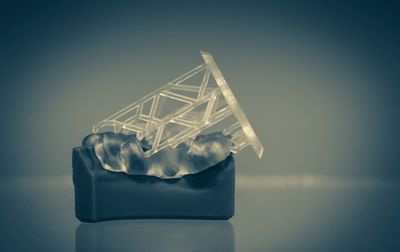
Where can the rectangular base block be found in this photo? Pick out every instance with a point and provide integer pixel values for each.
(103, 195)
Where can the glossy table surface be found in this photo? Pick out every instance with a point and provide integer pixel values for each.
(273, 213)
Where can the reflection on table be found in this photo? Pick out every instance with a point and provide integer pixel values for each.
(155, 235)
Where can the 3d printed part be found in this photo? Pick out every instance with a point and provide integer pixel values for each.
(166, 124)
(184, 108)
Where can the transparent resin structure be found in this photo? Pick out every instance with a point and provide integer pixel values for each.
(198, 102)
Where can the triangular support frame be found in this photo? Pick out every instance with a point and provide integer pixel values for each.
(183, 123)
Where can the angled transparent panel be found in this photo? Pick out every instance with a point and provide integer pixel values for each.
(199, 101)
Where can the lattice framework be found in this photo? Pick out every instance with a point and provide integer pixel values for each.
(178, 111)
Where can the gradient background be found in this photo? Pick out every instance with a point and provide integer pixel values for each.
(318, 81)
